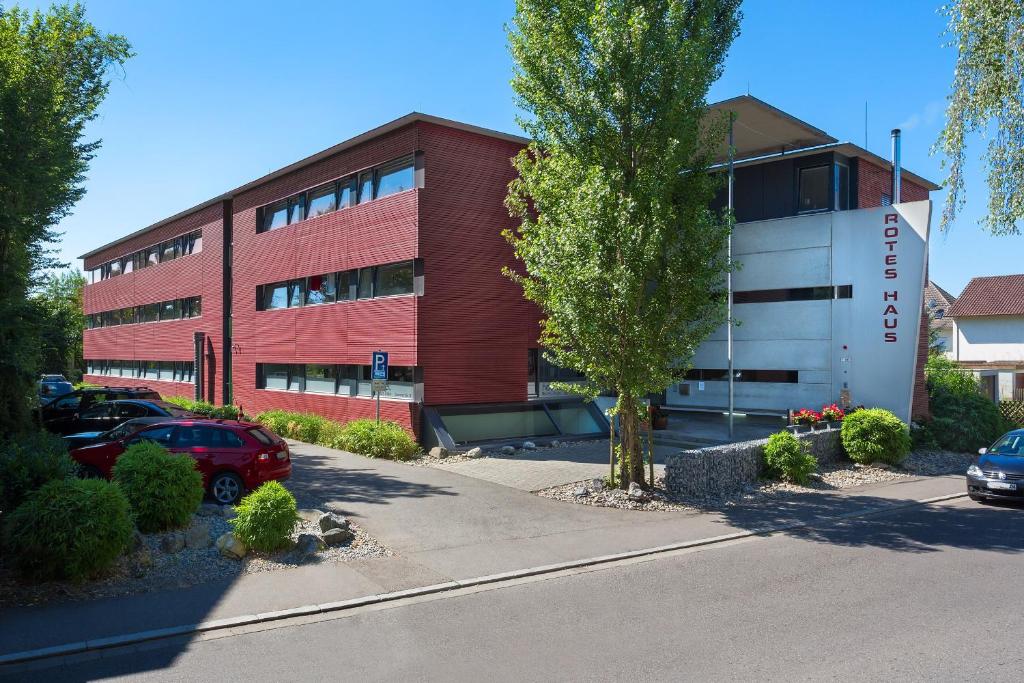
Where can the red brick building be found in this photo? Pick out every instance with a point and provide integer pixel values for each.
(274, 294)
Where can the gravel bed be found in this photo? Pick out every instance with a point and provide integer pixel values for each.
(427, 460)
(148, 568)
(827, 478)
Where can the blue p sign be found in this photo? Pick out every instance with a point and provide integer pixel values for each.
(379, 364)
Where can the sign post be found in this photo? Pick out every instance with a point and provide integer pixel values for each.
(379, 375)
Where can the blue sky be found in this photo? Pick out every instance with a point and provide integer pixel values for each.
(221, 93)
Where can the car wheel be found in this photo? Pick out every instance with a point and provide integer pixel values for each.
(89, 472)
(226, 488)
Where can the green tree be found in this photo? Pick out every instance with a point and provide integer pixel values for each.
(620, 249)
(62, 323)
(53, 75)
(987, 97)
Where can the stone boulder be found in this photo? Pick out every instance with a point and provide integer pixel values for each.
(338, 536)
(173, 542)
(635, 493)
(231, 547)
(474, 452)
(596, 485)
(439, 452)
(508, 450)
(198, 535)
(529, 445)
(332, 520)
(310, 514)
(308, 545)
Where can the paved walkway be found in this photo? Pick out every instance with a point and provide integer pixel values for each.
(442, 525)
(546, 467)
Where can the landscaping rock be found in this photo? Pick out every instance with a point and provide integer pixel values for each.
(596, 485)
(635, 493)
(474, 453)
(439, 452)
(529, 445)
(310, 514)
(338, 536)
(198, 535)
(331, 520)
(173, 542)
(580, 491)
(209, 510)
(308, 545)
(555, 443)
(231, 547)
(508, 450)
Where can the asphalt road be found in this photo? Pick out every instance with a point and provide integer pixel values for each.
(928, 593)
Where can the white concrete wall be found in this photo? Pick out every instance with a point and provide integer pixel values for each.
(831, 343)
(997, 338)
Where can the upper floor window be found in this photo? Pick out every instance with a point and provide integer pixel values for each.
(393, 279)
(175, 309)
(183, 245)
(813, 189)
(390, 178)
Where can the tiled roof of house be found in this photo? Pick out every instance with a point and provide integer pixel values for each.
(938, 302)
(996, 295)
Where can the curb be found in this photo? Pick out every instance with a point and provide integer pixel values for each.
(80, 647)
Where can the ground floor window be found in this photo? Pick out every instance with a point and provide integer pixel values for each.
(722, 375)
(340, 380)
(159, 370)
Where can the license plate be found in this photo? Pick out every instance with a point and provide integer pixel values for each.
(1002, 485)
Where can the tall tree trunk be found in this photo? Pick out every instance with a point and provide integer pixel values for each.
(631, 466)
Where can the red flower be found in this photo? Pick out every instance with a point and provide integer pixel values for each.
(832, 413)
(808, 417)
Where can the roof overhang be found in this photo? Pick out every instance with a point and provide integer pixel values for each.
(401, 122)
(761, 129)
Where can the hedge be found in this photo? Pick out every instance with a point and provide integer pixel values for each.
(205, 408)
(365, 437)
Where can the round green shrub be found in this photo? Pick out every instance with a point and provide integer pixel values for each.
(266, 517)
(875, 435)
(28, 461)
(276, 421)
(163, 489)
(69, 528)
(378, 440)
(786, 456)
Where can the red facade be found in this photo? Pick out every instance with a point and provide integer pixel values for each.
(465, 332)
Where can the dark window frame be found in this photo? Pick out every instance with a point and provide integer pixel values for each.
(827, 167)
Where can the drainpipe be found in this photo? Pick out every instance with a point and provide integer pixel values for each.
(896, 170)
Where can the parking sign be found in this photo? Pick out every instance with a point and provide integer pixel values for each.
(379, 363)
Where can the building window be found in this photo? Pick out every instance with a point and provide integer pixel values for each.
(394, 179)
(296, 378)
(275, 296)
(296, 209)
(886, 199)
(842, 185)
(365, 187)
(365, 288)
(323, 200)
(296, 293)
(322, 289)
(273, 376)
(394, 279)
(813, 190)
(167, 251)
(152, 369)
(763, 296)
(275, 216)
(170, 310)
(940, 313)
(320, 379)
(347, 193)
(721, 375)
(347, 284)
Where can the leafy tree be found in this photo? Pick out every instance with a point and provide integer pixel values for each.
(53, 76)
(621, 251)
(988, 97)
(62, 323)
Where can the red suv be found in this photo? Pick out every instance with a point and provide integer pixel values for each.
(232, 456)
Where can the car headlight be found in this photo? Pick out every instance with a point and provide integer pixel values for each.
(975, 471)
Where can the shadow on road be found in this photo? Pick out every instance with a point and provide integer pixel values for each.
(920, 529)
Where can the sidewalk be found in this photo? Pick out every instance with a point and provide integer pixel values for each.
(441, 526)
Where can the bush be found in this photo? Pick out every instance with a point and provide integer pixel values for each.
(266, 517)
(383, 440)
(205, 408)
(875, 435)
(69, 528)
(27, 462)
(787, 457)
(276, 421)
(961, 418)
(163, 489)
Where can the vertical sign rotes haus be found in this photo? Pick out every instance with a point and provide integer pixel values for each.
(882, 252)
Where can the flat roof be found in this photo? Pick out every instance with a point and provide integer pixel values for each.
(400, 122)
(761, 132)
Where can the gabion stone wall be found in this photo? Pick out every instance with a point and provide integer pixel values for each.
(718, 470)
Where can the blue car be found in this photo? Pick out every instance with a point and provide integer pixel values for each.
(998, 472)
(53, 386)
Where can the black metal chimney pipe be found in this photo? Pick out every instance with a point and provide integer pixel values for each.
(896, 170)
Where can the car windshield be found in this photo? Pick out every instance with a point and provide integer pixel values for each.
(1011, 444)
(123, 430)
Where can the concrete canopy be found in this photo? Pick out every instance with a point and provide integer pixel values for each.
(761, 129)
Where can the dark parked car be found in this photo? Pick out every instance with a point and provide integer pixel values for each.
(998, 472)
(232, 456)
(60, 416)
(122, 430)
(53, 386)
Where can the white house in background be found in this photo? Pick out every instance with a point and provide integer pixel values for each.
(937, 303)
(988, 324)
